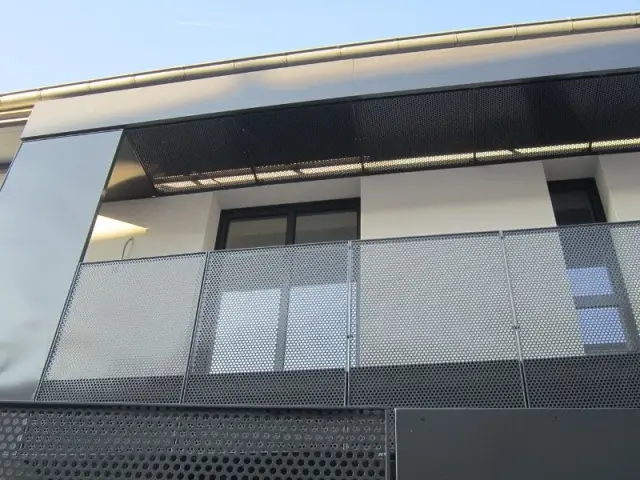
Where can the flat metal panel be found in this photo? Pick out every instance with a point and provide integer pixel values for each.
(523, 444)
(272, 327)
(46, 214)
(126, 332)
(57, 442)
(410, 72)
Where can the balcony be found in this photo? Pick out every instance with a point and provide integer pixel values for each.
(526, 318)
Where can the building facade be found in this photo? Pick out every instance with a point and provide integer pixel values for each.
(364, 261)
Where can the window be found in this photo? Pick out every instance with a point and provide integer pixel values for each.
(285, 320)
(289, 224)
(604, 315)
(576, 202)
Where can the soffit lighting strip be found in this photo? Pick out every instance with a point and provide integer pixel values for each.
(573, 147)
(627, 142)
(343, 168)
(438, 160)
(277, 175)
(419, 161)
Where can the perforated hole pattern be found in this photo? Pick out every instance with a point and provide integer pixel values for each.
(497, 118)
(272, 328)
(431, 324)
(62, 442)
(434, 325)
(126, 332)
(576, 296)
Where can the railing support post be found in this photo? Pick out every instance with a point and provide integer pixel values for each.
(194, 331)
(515, 325)
(349, 310)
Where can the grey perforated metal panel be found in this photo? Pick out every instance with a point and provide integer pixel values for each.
(126, 332)
(404, 127)
(433, 326)
(62, 442)
(272, 327)
(576, 298)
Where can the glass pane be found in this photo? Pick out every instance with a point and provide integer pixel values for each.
(600, 326)
(326, 227)
(261, 232)
(246, 332)
(590, 281)
(572, 208)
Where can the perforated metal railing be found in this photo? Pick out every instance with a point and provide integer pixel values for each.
(541, 318)
(271, 328)
(576, 294)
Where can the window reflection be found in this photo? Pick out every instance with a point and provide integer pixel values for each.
(316, 328)
(246, 332)
(601, 326)
(590, 281)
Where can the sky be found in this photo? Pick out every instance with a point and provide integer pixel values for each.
(47, 42)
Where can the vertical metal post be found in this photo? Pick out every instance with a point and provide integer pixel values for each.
(349, 308)
(290, 256)
(514, 316)
(194, 331)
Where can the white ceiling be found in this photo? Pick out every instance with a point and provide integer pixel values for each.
(570, 168)
(331, 189)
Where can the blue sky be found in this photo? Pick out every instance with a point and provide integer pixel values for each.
(45, 42)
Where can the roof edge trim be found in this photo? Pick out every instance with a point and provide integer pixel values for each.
(28, 98)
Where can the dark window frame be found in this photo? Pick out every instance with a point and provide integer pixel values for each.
(205, 350)
(619, 298)
(288, 210)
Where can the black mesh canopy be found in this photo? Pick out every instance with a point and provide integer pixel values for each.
(491, 123)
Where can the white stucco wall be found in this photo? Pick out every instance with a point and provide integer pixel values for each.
(189, 223)
(492, 197)
(176, 224)
(618, 178)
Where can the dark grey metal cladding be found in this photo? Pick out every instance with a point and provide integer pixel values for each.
(128, 179)
(57, 442)
(47, 207)
(518, 443)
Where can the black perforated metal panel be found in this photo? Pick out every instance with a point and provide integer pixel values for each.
(126, 332)
(576, 299)
(272, 328)
(542, 119)
(62, 442)
(433, 326)
(406, 127)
